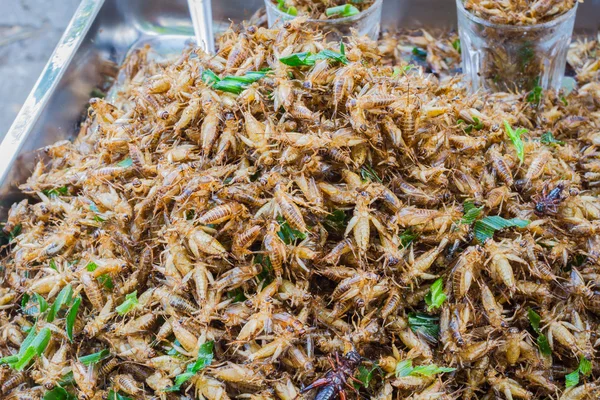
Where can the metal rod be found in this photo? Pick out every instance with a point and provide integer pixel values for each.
(203, 27)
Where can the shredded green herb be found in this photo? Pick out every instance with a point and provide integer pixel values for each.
(407, 237)
(419, 52)
(535, 96)
(72, 316)
(367, 173)
(343, 11)
(94, 358)
(405, 368)
(112, 395)
(61, 191)
(515, 138)
(34, 348)
(308, 59)
(425, 325)
(237, 295)
(205, 357)
(436, 296)
(456, 45)
(104, 279)
(62, 299)
(281, 6)
(365, 375)
(548, 138)
(485, 228)
(126, 163)
(130, 302)
(470, 213)
(584, 368)
(230, 83)
(59, 393)
(266, 274)
(288, 234)
(542, 340)
(477, 125)
(336, 220)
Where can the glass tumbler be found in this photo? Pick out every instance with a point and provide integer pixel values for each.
(368, 22)
(505, 58)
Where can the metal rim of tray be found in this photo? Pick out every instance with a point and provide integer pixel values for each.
(51, 74)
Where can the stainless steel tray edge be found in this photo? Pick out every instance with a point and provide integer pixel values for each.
(22, 127)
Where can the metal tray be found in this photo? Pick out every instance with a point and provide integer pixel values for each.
(103, 31)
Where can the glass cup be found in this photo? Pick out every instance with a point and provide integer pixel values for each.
(367, 22)
(504, 58)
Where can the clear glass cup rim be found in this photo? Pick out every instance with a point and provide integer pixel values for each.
(376, 4)
(550, 24)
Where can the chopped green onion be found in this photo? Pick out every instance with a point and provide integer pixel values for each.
(35, 348)
(281, 6)
(549, 139)
(72, 316)
(535, 96)
(42, 303)
(429, 370)
(484, 228)
(299, 59)
(365, 375)
(130, 302)
(367, 173)
(515, 137)
(205, 357)
(419, 52)
(584, 368)
(407, 237)
(287, 233)
(59, 393)
(56, 192)
(405, 368)
(346, 10)
(456, 45)
(425, 325)
(94, 357)
(126, 163)
(470, 213)
(308, 59)
(436, 296)
(63, 298)
(232, 84)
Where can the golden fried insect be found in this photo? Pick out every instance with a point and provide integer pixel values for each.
(220, 240)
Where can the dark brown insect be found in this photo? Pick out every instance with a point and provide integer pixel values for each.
(341, 372)
(548, 202)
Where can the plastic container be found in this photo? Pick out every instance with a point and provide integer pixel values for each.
(367, 22)
(504, 58)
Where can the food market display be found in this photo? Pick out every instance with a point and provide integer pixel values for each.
(519, 12)
(324, 9)
(294, 219)
(515, 45)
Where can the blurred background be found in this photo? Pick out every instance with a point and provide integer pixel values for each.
(29, 30)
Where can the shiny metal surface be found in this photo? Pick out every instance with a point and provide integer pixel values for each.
(103, 31)
(201, 13)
